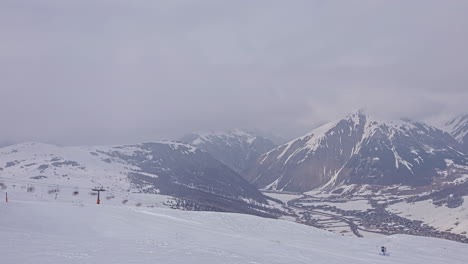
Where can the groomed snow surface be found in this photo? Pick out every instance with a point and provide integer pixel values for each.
(58, 232)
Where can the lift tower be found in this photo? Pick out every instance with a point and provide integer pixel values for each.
(98, 190)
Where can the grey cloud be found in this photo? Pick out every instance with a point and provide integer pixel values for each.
(107, 72)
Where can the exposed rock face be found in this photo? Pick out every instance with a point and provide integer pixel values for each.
(237, 149)
(358, 150)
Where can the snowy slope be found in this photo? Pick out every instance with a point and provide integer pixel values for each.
(453, 220)
(458, 128)
(358, 149)
(236, 148)
(52, 233)
(166, 168)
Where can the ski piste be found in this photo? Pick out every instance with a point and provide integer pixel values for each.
(59, 232)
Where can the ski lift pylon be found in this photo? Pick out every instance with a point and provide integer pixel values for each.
(53, 189)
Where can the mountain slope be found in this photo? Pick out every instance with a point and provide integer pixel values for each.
(358, 150)
(237, 149)
(458, 128)
(166, 168)
(64, 233)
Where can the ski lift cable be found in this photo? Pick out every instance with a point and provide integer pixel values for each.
(38, 183)
(43, 184)
(52, 187)
(62, 186)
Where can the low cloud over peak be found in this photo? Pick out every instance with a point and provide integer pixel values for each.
(105, 72)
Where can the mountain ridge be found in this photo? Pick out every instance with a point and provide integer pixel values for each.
(340, 151)
(235, 148)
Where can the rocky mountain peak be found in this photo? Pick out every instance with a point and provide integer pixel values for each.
(358, 149)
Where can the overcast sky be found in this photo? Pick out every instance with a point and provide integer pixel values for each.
(111, 72)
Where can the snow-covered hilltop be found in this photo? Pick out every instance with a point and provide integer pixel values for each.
(236, 148)
(166, 168)
(359, 149)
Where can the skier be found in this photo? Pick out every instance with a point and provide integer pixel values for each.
(384, 250)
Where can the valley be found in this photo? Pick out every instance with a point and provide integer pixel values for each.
(370, 216)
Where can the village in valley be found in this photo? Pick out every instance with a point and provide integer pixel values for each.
(363, 216)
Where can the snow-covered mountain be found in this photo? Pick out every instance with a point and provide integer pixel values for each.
(359, 149)
(237, 149)
(458, 128)
(165, 168)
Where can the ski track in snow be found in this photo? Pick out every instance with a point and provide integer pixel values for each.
(53, 233)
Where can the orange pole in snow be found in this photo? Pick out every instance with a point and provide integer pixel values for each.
(6, 197)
